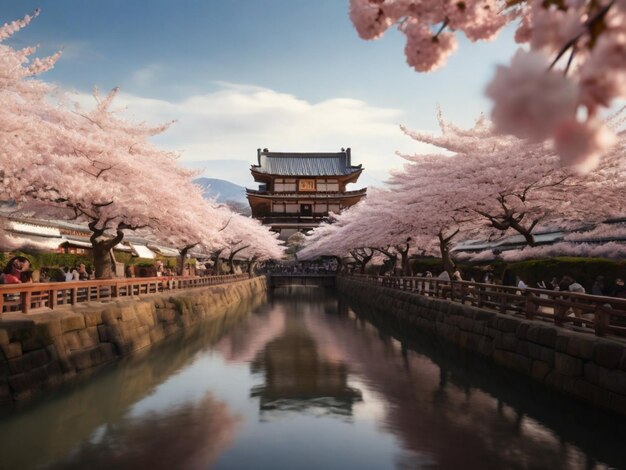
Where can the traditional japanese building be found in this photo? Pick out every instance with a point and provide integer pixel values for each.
(298, 190)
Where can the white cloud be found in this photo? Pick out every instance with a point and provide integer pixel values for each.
(146, 75)
(235, 120)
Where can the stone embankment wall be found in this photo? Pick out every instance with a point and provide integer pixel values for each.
(581, 365)
(42, 350)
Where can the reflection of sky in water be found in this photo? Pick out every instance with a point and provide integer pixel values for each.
(312, 439)
(302, 383)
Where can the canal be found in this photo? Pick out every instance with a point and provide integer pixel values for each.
(306, 381)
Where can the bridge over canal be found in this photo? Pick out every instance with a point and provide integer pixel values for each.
(289, 279)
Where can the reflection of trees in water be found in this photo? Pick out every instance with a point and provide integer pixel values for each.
(243, 343)
(188, 436)
(72, 413)
(436, 414)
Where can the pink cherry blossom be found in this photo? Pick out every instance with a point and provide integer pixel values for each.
(369, 18)
(529, 99)
(603, 76)
(581, 144)
(424, 50)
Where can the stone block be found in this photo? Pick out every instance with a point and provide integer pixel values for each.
(33, 344)
(49, 331)
(71, 341)
(483, 316)
(581, 346)
(591, 372)
(130, 324)
(110, 316)
(72, 322)
(171, 328)
(506, 341)
(562, 340)
(102, 333)
(513, 361)
(485, 346)
(585, 391)
(608, 354)
(532, 333)
(88, 337)
(93, 318)
(612, 379)
(156, 334)
(4, 337)
(493, 333)
(127, 313)
(28, 361)
(91, 357)
(507, 325)
(547, 336)
(522, 347)
(24, 383)
(540, 370)
(568, 365)
(11, 350)
(522, 330)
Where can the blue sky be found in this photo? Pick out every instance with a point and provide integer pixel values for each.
(237, 75)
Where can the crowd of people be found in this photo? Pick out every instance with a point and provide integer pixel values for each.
(18, 271)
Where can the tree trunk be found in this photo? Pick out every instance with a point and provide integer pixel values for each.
(102, 262)
(180, 265)
(406, 267)
(528, 236)
(444, 247)
(251, 266)
(231, 258)
(101, 250)
(404, 258)
(217, 266)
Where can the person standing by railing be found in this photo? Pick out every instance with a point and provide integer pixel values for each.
(619, 290)
(12, 271)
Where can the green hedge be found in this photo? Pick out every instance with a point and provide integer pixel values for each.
(40, 260)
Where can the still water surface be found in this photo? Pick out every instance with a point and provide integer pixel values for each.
(306, 381)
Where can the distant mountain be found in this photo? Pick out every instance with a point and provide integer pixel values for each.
(226, 192)
(237, 171)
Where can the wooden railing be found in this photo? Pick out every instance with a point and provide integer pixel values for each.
(25, 297)
(602, 315)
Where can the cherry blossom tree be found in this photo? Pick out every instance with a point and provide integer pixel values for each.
(516, 184)
(481, 185)
(574, 68)
(27, 119)
(94, 166)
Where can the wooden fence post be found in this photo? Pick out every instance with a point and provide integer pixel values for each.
(52, 299)
(531, 307)
(601, 320)
(25, 301)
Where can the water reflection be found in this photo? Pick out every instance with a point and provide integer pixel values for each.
(191, 435)
(307, 381)
(297, 376)
(55, 424)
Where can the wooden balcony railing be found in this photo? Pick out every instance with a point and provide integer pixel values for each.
(25, 297)
(602, 315)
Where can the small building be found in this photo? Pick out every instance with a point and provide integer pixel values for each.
(297, 191)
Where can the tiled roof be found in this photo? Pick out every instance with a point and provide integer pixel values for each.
(305, 164)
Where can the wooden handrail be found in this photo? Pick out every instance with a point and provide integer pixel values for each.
(600, 314)
(25, 297)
